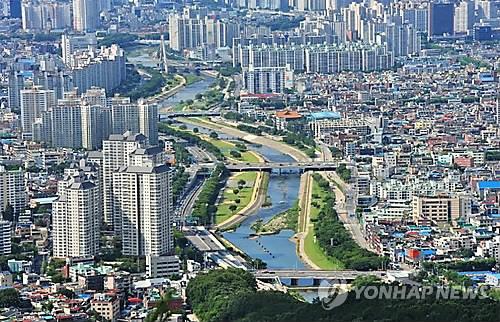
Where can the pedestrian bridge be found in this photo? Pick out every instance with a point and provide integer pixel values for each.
(284, 167)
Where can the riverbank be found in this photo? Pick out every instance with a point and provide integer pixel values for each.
(234, 152)
(310, 247)
(205, 100)
(304, 224)
(258, 197)
(236, 196)
(167, 92)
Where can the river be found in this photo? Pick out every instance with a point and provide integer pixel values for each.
(188, 92)
(277, 250)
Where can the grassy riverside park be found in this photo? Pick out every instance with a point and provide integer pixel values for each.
(226, 147)
(244, 195)
(311, 247)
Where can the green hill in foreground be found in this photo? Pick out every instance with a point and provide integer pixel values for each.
(230, 295)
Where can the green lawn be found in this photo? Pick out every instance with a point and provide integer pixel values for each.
(226, 148)
(317, 197)
(229, 197)
(312, 249)
(192, 78)
(317, 256)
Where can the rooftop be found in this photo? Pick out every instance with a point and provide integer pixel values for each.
(489, 184)
(287, 114)
(324, 115)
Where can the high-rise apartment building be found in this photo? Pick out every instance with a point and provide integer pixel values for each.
(12, 190)
(148, 121)
(76, 215)
(98, 68)
(441, 19)
(93, 126)
(72, 43)
(16, 84)
(464, 17)
(125, 115)
(5, 237)
(142, 199)
(66, 120)
(264, 79)
(86, 15)
(34, 102)
(116, 154)
(402, 39)
(192, 30)
(45, 15)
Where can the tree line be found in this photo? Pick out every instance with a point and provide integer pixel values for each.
(192, 139)
(336, 241)
(204, 207)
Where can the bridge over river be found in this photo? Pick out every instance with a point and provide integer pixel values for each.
(313, 278)
(283, 167)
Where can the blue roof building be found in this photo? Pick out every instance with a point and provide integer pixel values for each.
(492, 185)
(324, 115)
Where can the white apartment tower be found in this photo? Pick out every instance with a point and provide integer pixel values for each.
(148, 121)
(125, 116)
(464, 17)
(34, 101)
(86, 15)
(45, 15)
(73, 43)
(142, 198)
(5, 237)
(92, 126)
(76, 214)
(116, 152)
(12, 190)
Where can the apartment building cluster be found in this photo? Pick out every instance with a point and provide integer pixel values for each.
(195, 28)
(45, 15)
(84, 66)
(84, 121)
(58, 15)
(127, 187)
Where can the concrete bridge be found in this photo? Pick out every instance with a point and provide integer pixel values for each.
(283, 167)
(171, 115)
(313, 278)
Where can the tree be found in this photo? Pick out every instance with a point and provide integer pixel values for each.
(8, 213)
(9, 297)
(196, 130)
(68, 293)
(47, 306)
(241, 182)
(235, 154)
(233, 207)
(58, 278)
